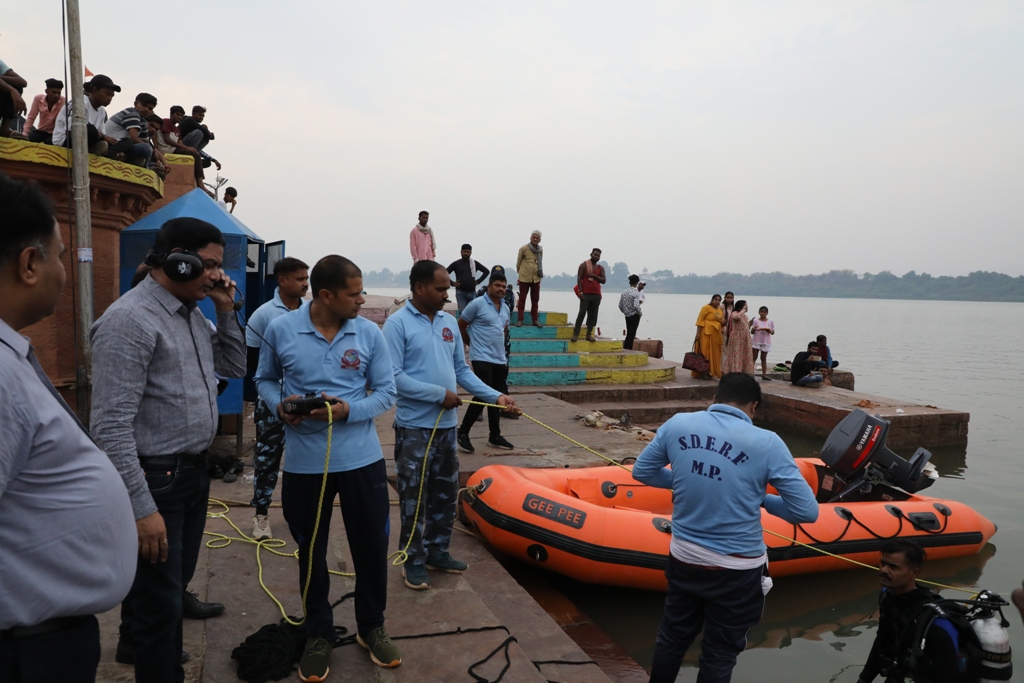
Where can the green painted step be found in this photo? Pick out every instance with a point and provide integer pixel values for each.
(655, 371)
(564, 345)
(546, 332)
(578, 360)
(546, 318)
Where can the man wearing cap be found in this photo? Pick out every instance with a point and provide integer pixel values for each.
(99, 92)
(46, 107)
(464, 269)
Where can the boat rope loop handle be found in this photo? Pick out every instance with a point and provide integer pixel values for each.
(858, 563)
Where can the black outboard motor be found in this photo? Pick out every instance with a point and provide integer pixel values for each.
(856, 451)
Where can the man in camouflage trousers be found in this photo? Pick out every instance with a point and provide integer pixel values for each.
(292, 284)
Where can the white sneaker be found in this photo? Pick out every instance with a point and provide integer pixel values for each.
(261, 528)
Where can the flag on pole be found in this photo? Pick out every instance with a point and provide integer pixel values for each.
(89, 73)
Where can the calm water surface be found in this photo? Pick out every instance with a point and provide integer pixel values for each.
(957, 355)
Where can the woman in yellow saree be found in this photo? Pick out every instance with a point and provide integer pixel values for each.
(709, 337)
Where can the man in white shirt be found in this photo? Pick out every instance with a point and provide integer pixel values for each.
(99, 92)
(230, 197)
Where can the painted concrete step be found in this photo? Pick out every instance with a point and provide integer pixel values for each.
(564, 345)
(546, 332)
(546, 318)
(655, 371)
(578, 360)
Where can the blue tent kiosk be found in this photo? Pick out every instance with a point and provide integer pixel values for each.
(247, 260)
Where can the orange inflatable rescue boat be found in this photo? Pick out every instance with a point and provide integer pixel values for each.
(599, 525)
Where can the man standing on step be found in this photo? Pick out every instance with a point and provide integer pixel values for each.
(326, 347)
(465, 270)
(154, 412)
(629, 305)
(530, 271)
(483, 326)
(428, 360)
(589, 278)
(718, 465)
(292, 277)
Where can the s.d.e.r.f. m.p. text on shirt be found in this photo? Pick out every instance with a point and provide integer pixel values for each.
(721, 465)
(154, 388)
(297, 359)
(428, 360)
(68, 543)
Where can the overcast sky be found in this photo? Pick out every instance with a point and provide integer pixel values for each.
(699, 137)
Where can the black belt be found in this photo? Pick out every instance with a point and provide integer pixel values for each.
(42, 628)
(180, 461)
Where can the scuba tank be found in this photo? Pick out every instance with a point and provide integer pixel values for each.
(983, 647)
(989, 625)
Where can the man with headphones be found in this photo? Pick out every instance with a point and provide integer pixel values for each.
(154, 412)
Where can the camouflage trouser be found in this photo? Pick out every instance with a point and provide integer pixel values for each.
(266, 458)
(433, 528)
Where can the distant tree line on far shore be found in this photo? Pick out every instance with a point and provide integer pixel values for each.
(978, 286)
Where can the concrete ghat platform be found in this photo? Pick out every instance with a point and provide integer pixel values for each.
(809, 412)
(486, 595)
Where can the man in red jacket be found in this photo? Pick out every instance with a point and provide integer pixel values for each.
(589, 278)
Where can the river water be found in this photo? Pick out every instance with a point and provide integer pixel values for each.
(951, 354)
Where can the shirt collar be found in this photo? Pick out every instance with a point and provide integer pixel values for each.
(729, 410)
(170, 302)
(306, 325)
(17, 341)
(278, 302)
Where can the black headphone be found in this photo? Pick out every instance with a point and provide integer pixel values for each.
(183, 266)
(180, 266)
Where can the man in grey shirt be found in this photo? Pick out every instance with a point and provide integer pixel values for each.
(154, 411)
(67, 542)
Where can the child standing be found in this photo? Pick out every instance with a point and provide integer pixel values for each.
(762, 328)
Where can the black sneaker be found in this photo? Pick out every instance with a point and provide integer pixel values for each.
(500, 442)
(192, 608)
(316, 660)
(465, 444)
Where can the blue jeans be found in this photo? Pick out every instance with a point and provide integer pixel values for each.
(809, 380)
(151, 614)
(463, 298)
(132, 151)
(724, 603)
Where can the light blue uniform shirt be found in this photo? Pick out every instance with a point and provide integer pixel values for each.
(721, 465)
(262, 317)
(428, 360)
(297, 359)
(486, 329)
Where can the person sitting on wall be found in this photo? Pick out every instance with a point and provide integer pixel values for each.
(46, 107)
(11, 102)
(168, 141)
(128, 127)
(805, 370)
(99, 92)
(828, 364)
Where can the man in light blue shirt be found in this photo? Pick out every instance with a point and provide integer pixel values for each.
(428, 360)
(483, 324)
(292, 283)
(718, 466)
(328, 349)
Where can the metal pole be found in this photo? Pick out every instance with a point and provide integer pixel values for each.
(83, 211)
